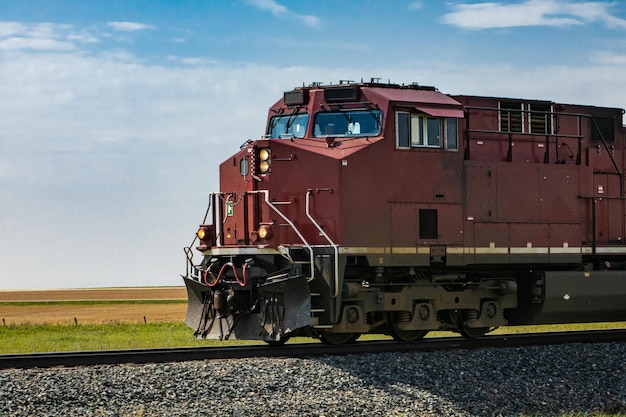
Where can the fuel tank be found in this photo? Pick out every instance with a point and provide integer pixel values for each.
(583, 296)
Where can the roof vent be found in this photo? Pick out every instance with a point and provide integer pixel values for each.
(336, 94)
(296, 97)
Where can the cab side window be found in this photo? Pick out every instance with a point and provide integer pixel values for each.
(419, 130)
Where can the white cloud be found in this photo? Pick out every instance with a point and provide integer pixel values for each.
(557, 13)
(416, 5)
(129, 26)
(82, 37)
(595, 12)
(18, 43)
(281, 11)
(270, 5)
(42, 37)
(11, 29)
(606, 57)
(49, 30)
(309, 20)
(591, 83)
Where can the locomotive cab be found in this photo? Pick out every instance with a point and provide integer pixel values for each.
(397, 209)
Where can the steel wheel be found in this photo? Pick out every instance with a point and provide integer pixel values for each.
(280, 342)
(456, 317)
(473, 332)
(338, 338)
(399, 335)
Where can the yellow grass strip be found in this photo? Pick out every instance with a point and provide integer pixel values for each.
(92, 314)
(89, 294)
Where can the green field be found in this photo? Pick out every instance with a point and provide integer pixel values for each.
(83, 337)
(114, 332)
(112, 336)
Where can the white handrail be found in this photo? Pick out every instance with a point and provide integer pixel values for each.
(323, 233)
(266, 193)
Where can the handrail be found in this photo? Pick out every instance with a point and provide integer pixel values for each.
(323, 233)
(521, 135)
(188, 249)
(266, 193)
(217, 220)
(549, 133)
(558, 113)
(189, 256)
(218, 214)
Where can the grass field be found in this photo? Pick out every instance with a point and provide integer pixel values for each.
(93, 306)
(94, 319)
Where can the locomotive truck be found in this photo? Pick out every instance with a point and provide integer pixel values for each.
(372, 207)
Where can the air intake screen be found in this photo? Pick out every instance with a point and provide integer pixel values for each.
(295, 97)
(340, 94)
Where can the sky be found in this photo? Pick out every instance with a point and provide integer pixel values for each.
(115, 114)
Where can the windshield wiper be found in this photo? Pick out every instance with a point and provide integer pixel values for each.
(291, 119)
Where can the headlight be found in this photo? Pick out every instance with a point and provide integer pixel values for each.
(201, 233)
(264, 167)
(264, 157)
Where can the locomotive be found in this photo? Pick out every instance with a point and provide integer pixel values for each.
(373, 207)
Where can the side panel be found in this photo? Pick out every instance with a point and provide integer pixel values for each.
(403, 224)
(523, 213)
(609, 217)
(480, 192)
(518, 193)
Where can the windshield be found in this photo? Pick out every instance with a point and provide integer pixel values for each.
(348, 123)
(287, 126)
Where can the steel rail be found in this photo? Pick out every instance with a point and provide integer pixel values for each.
(142, 356)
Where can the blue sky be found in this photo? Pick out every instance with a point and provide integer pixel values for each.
(114, 115)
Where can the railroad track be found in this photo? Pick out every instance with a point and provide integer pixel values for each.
(138, 356)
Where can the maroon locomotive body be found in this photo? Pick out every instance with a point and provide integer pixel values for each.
(397, 209)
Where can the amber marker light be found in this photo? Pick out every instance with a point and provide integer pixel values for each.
(205, 234)
(265, 232)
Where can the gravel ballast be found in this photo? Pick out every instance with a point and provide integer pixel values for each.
(541, 380)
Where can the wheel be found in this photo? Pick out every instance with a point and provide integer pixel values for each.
(473, 332)
(456, 317)
(338, 338)
(280, 342)
(399, 335)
